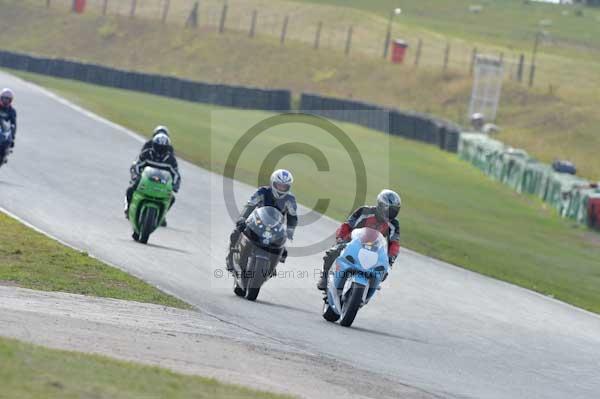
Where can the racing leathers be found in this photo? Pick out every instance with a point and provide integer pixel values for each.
(8, 116)
(264, 197)
(149, 157)
(366, 216)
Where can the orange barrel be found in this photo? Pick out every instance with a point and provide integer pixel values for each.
(399, 51)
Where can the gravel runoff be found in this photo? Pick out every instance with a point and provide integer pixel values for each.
(184, 341)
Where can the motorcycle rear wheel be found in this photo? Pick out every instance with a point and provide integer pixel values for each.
(329, 314)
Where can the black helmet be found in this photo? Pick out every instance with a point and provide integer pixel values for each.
(388, 204)
(161, 143)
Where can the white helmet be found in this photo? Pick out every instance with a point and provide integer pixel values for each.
(388, 204)
(160, 129)
(281, 183)
(161, 143)
(7, 96)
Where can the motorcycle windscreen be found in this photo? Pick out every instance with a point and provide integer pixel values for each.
(157, 175)
(267, 225)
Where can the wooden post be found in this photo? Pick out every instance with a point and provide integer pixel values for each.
(253, 24)
(418, 54)
(165, 11)
(223, 19)
(133, 8)
(284, 29)
(446, 56)
(318, 35)
(520, 68)
(349, 40)
(105, 7)
(192, 19)
(473, 58)
(532, 74)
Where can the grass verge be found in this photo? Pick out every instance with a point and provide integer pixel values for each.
(29, 259)
(452, 211)
(30, 371)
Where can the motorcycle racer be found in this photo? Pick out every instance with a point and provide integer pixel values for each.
(278, 195)
(8, 114)
(159, 155)
(381, 217)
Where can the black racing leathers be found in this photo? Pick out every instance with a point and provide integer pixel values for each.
(8, 115)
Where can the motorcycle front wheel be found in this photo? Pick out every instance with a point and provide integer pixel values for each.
(352, 304)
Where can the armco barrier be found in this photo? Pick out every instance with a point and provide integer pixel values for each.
(572, 196)
(410, 125)
(224, 95)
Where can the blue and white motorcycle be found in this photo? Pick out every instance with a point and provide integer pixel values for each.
(6, 139)
(355, 276)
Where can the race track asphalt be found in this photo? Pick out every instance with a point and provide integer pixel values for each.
(435, 327)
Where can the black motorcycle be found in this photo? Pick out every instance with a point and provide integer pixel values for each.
(255, 256)
(6, 139)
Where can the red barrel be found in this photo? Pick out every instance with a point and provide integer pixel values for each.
(79, 6)
(594, 213)
(399, 51)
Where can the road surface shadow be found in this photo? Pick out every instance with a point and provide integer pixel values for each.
(172, 249)
(388, 335)
(287, 307)
(181, 251)
(10, 184)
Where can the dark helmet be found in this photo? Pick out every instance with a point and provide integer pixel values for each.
(160, 129)
(388, 204)
(6, 97)
(161, 144)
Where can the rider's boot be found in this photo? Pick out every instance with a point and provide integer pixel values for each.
(322, 284)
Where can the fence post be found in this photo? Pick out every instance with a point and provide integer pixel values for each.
(318, 35)
(532, 74)
(349, 40)
(223, 18)
(133, 8)
(473, 58)
(446, 56)
(253, 24)
(284, 29)
(192, 20)
(418, 54)
(165, 12)
(104, 7)
(520, 68)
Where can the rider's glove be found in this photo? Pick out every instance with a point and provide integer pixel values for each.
(240, 225)
(391, 260)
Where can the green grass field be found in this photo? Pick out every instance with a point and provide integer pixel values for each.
(30, 371)
(451, 211)
(29, 259)
(560, 125)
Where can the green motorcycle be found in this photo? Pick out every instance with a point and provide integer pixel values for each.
(150, 202)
